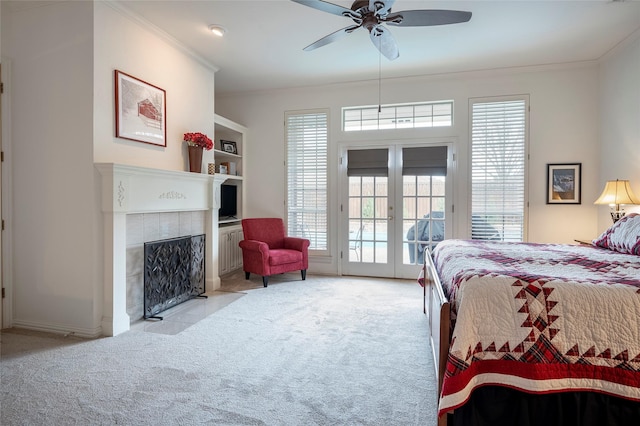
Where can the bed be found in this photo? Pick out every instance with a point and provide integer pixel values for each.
(528, 334)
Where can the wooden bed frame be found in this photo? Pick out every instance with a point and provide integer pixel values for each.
(438, 310)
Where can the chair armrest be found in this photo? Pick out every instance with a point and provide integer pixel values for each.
(293, 243)
(253, 245)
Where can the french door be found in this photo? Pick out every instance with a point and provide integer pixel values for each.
(394, 206)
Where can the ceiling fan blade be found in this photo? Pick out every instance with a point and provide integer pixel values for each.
(420, 18)
(331, 37)
(384, 42)
(328, 7)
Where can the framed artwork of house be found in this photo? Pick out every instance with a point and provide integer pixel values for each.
(141, 110)
(564, 183)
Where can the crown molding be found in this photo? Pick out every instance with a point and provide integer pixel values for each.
(623, 44)
(417, 78)
(118, 6)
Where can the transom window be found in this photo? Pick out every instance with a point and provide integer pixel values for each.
(398, 116)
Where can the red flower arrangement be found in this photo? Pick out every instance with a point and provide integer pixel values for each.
(198, 139)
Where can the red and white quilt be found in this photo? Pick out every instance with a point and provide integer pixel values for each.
(540, 318)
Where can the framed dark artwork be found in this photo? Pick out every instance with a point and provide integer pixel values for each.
(229, 146)
(141, 110)
(564, 183)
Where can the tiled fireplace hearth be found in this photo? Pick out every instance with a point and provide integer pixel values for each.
(139, 205)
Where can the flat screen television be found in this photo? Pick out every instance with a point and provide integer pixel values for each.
(228, 202)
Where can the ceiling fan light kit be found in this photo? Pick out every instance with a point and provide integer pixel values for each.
(372, 14)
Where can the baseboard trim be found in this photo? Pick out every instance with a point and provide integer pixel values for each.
(88, 333)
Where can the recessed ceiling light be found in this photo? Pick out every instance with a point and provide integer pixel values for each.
(218, 30)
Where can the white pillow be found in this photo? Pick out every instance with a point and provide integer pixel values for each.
(623, 236)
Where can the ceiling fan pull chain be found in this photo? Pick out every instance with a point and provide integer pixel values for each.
(379, 81)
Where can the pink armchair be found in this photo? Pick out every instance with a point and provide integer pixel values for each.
(266, 250)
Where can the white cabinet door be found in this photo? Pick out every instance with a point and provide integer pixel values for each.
(229, 252)
(235, 250)
(223, 252)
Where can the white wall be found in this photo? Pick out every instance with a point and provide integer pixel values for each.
(121, 43)
(63, 56)
(50, 50)
(563, 128)
(620, 121)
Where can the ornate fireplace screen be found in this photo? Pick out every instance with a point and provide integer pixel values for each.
(173, 273)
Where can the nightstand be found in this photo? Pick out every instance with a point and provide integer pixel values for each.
(584, 242)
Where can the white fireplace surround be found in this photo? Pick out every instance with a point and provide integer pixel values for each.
(130, 189)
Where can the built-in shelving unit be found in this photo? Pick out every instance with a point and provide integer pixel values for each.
(229, 131)
(229, 229)
(225, 222)
(222, 157)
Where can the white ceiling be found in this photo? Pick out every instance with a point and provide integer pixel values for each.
(263, 45)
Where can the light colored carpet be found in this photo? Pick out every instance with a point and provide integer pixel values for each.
(325, 351)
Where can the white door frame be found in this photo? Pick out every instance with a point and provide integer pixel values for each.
(1, 205)
(6, 306)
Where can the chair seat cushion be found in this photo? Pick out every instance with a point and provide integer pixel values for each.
(284, 256)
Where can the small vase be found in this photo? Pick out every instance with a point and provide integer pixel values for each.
(195, 158)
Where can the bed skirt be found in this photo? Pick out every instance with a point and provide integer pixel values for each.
(495, 405)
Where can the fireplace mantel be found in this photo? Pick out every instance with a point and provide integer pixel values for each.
(131, 189)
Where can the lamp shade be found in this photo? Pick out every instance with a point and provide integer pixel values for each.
(617, 192)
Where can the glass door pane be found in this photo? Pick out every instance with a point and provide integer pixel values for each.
(368, 217)
(423, 221)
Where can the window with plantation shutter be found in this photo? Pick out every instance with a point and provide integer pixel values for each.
(306, 139)
(498, 169)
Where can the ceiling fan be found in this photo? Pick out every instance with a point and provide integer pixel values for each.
(371, 14)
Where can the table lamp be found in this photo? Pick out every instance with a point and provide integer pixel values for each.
(615, 193)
